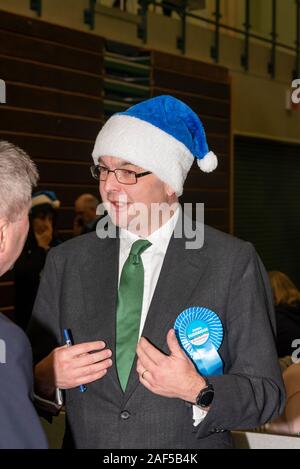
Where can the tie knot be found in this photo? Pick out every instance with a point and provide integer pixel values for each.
(137, 250)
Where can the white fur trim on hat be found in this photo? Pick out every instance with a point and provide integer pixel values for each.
(147, 146)
(44, 199)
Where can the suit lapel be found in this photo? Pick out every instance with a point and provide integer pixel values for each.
(100, 289)
(180, 275)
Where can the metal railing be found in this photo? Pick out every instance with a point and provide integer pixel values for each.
(36, 5)
(183, 12)
(246, 32)
(89, 14)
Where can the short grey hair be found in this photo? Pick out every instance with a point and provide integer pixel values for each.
(18, 174)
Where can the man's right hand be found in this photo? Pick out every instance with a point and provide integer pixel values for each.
(68, 367)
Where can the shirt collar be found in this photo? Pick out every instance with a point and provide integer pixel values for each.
(159, 238)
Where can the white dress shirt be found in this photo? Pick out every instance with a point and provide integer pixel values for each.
(153, 258)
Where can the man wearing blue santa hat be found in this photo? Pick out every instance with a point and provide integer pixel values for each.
(182, 339)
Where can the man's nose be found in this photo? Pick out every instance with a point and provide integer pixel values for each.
(111, 183)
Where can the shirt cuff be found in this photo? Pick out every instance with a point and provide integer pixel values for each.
(198, 415)
(51, 407)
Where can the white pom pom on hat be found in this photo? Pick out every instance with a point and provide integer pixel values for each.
(162, 135)
(208, 163)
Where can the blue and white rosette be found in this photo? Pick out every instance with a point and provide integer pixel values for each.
(200, 333)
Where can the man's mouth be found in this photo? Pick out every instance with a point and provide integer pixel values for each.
(119, 205)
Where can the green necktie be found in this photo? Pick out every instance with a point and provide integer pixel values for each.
(130, 302)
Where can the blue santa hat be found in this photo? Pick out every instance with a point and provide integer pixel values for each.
(45, 198)
(162, 135)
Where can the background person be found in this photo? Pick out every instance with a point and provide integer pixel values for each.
(287, 309)
(289, 422)
(86, 218)
(29, 267)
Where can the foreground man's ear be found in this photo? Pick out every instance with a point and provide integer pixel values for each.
(3, 234)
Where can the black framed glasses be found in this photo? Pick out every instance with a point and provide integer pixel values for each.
(123, 176)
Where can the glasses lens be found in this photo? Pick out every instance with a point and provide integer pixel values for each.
(103, 172)
(95, 172)
(125, 177)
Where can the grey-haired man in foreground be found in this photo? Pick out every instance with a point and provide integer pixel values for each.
(20, 426)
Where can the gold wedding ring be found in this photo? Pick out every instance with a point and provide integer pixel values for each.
(145, 371)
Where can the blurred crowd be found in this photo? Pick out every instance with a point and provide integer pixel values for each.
(42, 236)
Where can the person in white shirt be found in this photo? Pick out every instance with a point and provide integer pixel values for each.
(121, 289)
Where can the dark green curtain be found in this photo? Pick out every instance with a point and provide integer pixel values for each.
(267, 201)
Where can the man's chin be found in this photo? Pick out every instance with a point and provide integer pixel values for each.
(119, 219)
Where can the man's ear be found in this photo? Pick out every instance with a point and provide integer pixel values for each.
(3, 234)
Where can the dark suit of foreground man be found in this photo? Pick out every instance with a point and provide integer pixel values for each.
(19, 423)
(143, 156)
(20, 426)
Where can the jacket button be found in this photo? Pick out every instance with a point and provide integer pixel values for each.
(218, 430)
(125, 415)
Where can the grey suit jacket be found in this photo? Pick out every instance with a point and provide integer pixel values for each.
(79, 291)
(19, 423)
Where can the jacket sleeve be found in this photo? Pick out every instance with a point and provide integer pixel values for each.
(251, 391)
(44, 330)
(20, 425)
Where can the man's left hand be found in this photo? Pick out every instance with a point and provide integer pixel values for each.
(171, 375)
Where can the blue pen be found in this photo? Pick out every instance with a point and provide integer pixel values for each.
(68, 340)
